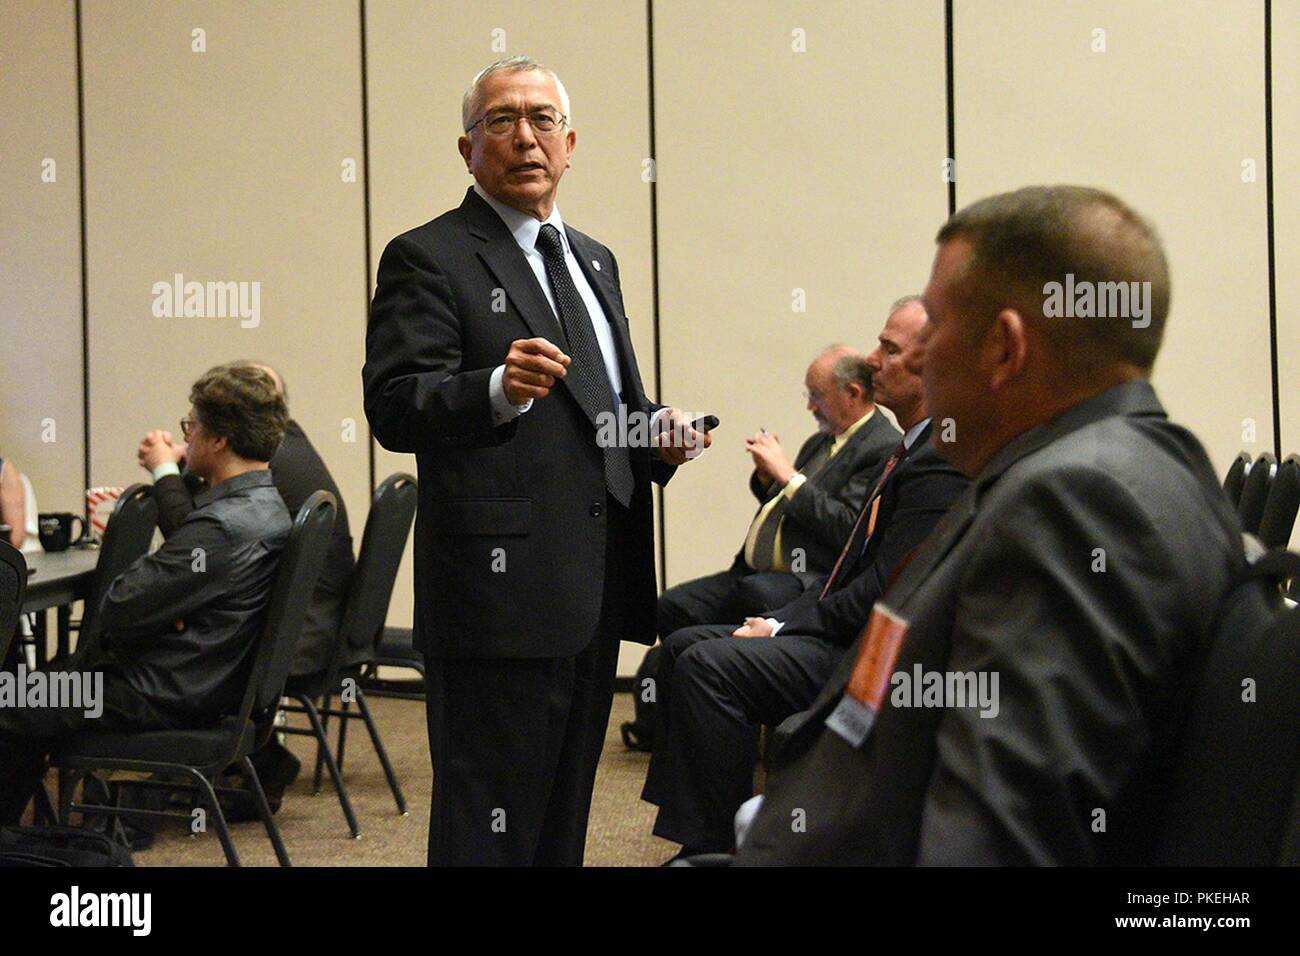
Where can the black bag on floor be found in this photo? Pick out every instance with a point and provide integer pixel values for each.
(639, 734)
(59, 846)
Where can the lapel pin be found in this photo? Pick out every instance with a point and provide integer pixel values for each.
(595, 264)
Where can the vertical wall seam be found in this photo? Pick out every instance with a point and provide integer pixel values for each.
(1272, 265)
(654, 264)
(365, 180)
(949, 87)
(85, 283)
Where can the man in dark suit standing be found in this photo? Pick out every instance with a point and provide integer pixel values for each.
(806, 507)
(498, 352)
(1013, 698)
(717, 684)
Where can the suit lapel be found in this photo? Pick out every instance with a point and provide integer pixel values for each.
(501, 254)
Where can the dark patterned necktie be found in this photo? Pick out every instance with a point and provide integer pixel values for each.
(587, 376)
(858, 525)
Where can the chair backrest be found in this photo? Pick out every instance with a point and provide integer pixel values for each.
(295, 579)
(392, 509)
(1283, 502)
(13, 583)
(1254, 495)
(1236, 477)
(1232, 795)
(127, 537)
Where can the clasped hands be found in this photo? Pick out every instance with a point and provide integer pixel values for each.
(157, 447)
(770, 460)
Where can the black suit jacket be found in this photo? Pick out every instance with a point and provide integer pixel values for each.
(528, 496)
(919, 490)
(298, 471)
(819, 516)
(1089, 656)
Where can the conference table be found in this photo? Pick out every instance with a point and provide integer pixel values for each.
(58, 579)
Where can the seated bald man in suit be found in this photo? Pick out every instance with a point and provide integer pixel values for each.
(806, 507)
(717, 684)
(1013, 697)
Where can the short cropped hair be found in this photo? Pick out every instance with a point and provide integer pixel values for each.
(1023, 241)
(239, 402)
(850, 369)
(472, 101)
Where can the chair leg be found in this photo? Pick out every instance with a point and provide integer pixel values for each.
(380, 751)
(324, 751)
(322, 742)
(264, 808)
(343, 729)
(42, 808)
(209, 796)
(67, 786)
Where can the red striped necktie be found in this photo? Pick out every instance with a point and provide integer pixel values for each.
(840, 562)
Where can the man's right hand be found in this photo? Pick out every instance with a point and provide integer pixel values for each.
(531, 368)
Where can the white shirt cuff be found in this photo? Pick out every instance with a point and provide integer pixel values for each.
(794, 484)
(165, 469)
(775, 625)
(502, 410)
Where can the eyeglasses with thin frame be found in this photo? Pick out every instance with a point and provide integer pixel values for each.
(187, 425)
(503, 122)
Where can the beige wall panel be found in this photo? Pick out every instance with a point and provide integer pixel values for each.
(40, 252)
(1286, 225)
(1165, 118)
(781, 170)
(225, 165)
(422, 57)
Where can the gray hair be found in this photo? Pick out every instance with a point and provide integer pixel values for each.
(850, 369)
(905, 300)
(1023, 241)
(472, 100)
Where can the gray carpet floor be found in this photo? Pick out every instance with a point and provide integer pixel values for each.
(316, 834)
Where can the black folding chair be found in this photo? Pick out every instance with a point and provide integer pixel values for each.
(396, 648)
(1232, 800)
(1236, 477)
(13, 584)
(127, 538)
(196, 756)
(1283, 502)
(1254, 494)
(392, 510)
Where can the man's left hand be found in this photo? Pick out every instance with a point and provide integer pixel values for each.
(753, 627)
(676, 441)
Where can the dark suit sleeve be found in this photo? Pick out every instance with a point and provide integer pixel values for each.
(763, 490)
(924, 495)
(1076, 651)
(830, 515)
(174, 501)
(417, 398)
